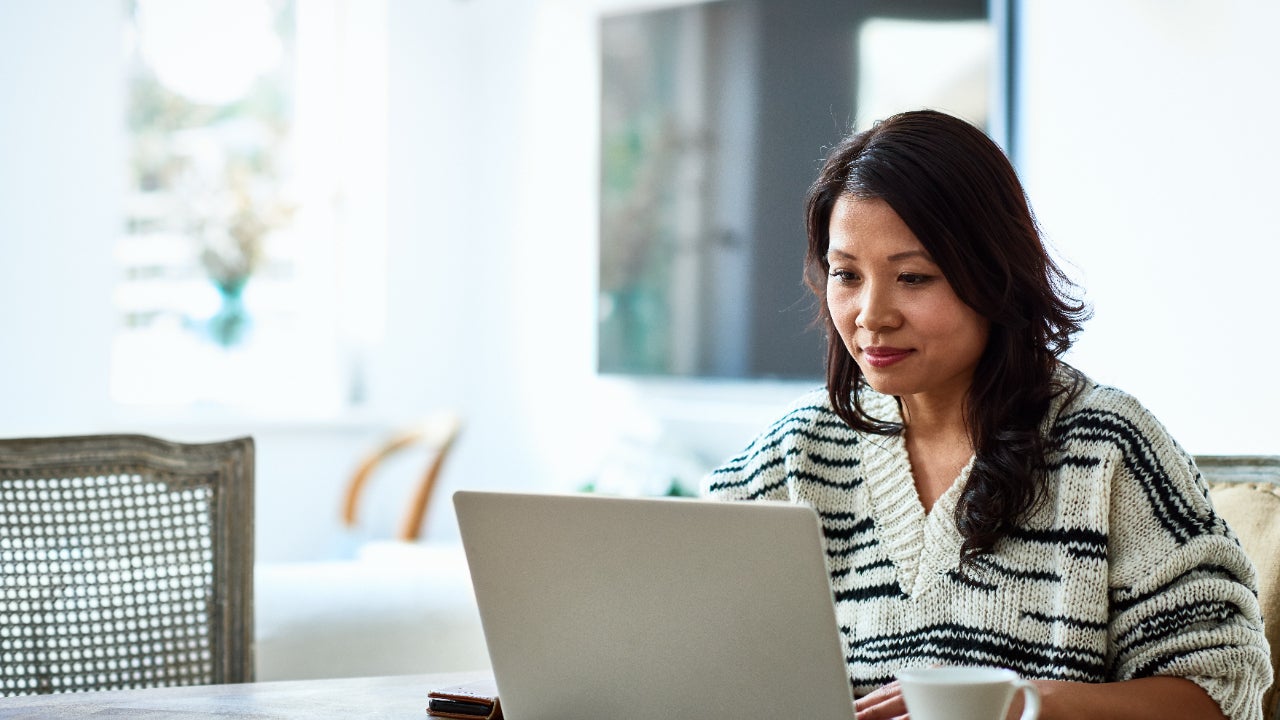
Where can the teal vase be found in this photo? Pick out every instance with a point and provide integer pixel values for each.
(230, 324)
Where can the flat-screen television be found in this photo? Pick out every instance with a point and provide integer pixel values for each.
(715, 118)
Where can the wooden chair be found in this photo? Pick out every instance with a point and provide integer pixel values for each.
(126, 561)
(436, 434)
(1246, 492)
(392, 603)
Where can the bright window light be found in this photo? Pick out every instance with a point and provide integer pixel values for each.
(911, 64)
(252, 266)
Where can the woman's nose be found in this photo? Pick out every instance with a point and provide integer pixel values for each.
(877, 309)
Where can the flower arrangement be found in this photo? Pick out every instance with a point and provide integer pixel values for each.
(233, 247)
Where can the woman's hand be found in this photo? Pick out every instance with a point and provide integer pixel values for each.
(883, 703)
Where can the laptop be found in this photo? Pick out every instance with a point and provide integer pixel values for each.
(654, 608)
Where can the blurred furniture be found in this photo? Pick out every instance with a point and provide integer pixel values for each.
(437, 434)
(396, 608)
(126, 561)
(394, 603)
(1246, 492)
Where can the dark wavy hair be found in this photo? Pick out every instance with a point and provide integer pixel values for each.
(960, 196)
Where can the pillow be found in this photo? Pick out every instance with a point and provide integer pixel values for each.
(1253, 512)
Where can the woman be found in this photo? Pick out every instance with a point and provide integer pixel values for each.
(983, 502)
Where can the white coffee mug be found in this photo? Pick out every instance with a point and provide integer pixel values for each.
(965, 693)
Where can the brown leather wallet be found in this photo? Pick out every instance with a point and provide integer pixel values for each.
(475, 700)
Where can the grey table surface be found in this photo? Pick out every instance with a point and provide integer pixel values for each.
(401, 697)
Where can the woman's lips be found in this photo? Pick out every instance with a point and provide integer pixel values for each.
(881, 356)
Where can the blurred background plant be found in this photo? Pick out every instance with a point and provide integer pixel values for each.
(232, 245)
(210, 136)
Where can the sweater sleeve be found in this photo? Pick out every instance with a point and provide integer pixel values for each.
(760, 472)
(1183, 594)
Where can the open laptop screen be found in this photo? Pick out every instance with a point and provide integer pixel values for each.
(626, 608)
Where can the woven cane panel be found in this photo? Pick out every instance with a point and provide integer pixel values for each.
(106, 582)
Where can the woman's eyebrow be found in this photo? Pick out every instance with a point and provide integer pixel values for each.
(910, 254)
(896, 257)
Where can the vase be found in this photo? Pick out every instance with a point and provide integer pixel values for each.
(230, 324)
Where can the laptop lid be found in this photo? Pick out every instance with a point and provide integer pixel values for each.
(636, 609)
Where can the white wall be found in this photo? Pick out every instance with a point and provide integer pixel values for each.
(1145, 150)
(61, 180)
(1150, 154)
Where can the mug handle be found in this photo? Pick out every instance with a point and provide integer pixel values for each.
(1030, 699)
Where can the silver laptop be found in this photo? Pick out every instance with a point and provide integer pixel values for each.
(601, 608)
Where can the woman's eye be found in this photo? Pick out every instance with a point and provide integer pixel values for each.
(913, 278)
(844, 275)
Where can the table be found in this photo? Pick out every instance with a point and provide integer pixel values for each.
(399, 697)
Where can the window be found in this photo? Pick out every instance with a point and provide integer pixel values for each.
(714, 119)
(252, 261)
(909, 63)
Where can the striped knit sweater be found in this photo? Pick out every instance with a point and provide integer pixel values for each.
(1124, 571)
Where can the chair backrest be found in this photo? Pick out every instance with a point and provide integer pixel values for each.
(126, 561)
(436, 434)
(1246, 493)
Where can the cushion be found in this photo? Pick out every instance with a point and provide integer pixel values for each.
(1253, 512)
(395, 609)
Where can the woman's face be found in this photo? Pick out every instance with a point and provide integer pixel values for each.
(896, 313)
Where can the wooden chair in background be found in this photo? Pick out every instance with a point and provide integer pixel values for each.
(393, 603)
(1246, 492)
(126, 561)
(436, 434)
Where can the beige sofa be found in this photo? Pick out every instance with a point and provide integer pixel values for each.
(1246, 491)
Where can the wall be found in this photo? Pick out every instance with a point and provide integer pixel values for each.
(1149, 153)
(1143, 143)
(61, 179)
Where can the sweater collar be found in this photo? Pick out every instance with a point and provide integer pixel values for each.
(923, 546)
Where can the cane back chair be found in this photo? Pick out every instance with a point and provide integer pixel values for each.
(126, 561)
(1246, 492)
